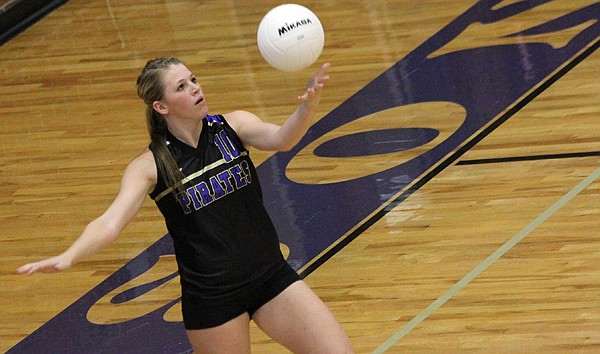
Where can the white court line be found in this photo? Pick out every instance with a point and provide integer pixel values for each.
(486, 263)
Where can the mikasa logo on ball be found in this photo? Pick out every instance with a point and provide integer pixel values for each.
(287, 27)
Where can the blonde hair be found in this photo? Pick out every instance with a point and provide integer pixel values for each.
(150, 88)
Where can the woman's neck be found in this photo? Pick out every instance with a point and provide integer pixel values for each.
(186, 131)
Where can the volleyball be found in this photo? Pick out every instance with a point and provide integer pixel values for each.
(290, 37)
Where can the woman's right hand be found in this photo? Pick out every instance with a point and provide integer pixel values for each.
(49, 265)
(138, 180)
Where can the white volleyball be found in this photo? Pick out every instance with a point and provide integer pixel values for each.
(290, 37)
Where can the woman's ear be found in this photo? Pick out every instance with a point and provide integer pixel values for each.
(160, 107)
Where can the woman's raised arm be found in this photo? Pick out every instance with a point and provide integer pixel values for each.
(266, 136)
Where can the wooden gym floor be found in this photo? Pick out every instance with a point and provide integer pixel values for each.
(483, 236)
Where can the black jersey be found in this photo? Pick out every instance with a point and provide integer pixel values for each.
(224, 239)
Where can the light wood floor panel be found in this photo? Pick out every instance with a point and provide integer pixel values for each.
(71, 122)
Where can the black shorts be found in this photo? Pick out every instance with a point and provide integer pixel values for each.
(201, 317)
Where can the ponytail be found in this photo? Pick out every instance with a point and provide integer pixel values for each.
(150, 89)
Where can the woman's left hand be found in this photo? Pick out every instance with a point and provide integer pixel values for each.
(314, 87)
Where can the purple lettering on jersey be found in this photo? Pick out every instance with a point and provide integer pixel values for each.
(238, 176)
(225, 178)
(490, 81)
(246, 171)
(194, 197)
(204, 192)
(231, 147)
(217, 188)
(185, 202)
(221, 145)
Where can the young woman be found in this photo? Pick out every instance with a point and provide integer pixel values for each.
(198, 171)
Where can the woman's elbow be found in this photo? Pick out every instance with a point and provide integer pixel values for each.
(284, 147)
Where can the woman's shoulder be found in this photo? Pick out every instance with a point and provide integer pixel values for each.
(147, 156)
(238, 114)
(236, 119)
(144, 165)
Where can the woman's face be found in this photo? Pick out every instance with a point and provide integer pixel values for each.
(183, 96)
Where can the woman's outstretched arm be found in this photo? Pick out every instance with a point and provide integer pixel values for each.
(138, 179)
